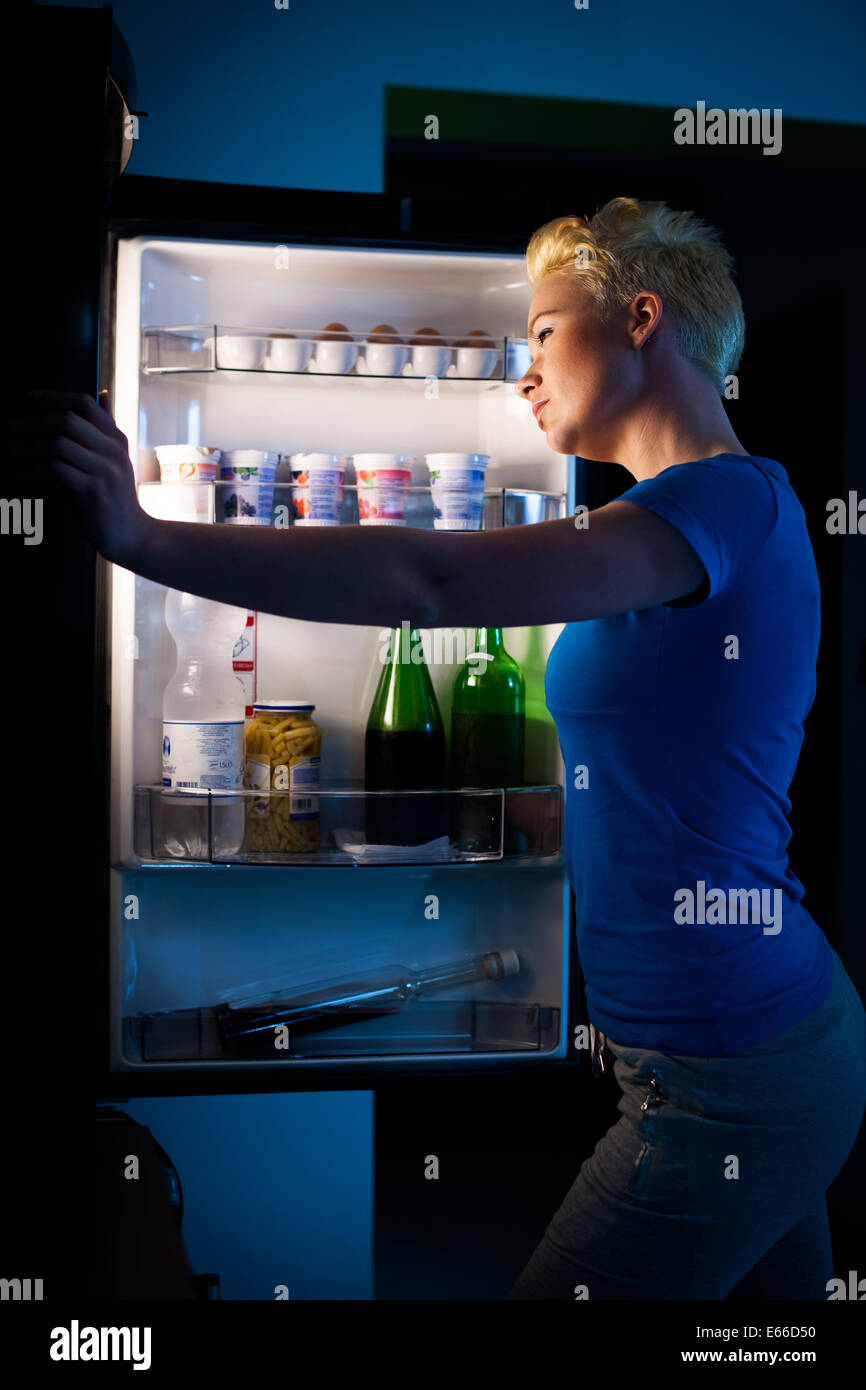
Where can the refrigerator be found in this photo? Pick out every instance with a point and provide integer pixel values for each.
(190, 937)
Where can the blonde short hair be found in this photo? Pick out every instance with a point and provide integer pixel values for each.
(629, 246)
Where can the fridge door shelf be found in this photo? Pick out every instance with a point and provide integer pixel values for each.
(428, 1027)
(310, 353)
(238, 503)
(347, 827)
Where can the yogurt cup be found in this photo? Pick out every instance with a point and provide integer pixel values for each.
(457, 489)
(317, 488)
(187, 463)
(179, 466)
(246, 494)
(383, 488)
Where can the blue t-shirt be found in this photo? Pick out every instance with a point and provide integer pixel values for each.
(680, 727)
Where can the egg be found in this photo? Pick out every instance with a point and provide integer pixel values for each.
(282, 335)
(478, 338)
(426, 337)
(383, 333)
(334, 333)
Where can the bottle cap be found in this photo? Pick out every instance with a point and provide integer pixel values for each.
(502, 963)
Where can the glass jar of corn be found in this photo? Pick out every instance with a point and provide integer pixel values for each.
(283, 758)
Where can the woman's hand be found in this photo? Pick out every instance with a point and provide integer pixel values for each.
(75, 442)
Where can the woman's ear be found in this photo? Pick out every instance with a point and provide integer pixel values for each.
(646, 315)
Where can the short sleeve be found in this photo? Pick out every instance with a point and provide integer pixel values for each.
(725, 507)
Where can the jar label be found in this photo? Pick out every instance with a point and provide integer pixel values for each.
(304, 779)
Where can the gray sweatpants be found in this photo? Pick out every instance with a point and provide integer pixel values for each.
(717, 1168)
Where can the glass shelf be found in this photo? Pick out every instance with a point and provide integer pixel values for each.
(308, 352)
(221, 502)
(346, 826)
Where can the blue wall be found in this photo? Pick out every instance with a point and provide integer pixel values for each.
(276, 1189)
(293, 98)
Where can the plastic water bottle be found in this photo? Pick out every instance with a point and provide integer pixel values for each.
(203, 730)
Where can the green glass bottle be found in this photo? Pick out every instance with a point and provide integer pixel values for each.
(542, 751)
(488, 731)
(404, 748)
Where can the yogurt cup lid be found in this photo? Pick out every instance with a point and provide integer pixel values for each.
(388, 460)
(447, 460)
(173, 451)
(268, 455)
(314, 460)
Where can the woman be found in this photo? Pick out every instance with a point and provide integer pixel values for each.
(679, 687)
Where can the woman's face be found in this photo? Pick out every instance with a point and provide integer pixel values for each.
(587, 371)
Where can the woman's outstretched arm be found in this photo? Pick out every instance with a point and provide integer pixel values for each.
(624, 558)
(549, 572)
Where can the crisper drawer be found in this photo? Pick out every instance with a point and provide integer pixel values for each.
(234, 966)
(433, 1028)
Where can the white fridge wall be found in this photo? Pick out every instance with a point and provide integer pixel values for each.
(305, 412)
(242, 284)
(204, 930)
